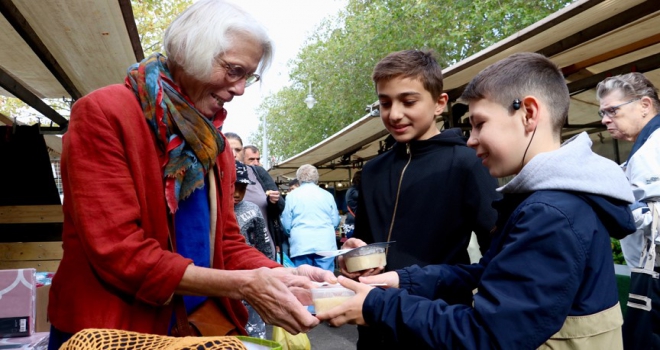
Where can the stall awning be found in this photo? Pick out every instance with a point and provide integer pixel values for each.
(64, 49)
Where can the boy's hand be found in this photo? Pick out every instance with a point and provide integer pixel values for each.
(355, 243)
(351, 310)
(390, 279)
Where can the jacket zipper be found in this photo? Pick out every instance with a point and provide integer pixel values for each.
(398, 192)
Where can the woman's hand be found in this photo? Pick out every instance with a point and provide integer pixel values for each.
(299, 280)
(351, 310)
(271, 293)
(355, 243)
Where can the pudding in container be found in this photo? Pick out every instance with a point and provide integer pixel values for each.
(329, 296)
(365, 257)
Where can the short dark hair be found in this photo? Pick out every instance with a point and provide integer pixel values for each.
(234, 136)
(252, 148)
(357, 178)
(519, 75)
(417, 64)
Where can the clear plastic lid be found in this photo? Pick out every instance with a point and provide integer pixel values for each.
(331, 291)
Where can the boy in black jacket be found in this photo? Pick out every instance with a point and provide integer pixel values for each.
(429, 192)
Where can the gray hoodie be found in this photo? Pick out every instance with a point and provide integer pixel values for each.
(573, 167)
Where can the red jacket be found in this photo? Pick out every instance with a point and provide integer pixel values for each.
(116, 271)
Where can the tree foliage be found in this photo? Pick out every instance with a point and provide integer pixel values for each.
(340, 55)
(152, 18)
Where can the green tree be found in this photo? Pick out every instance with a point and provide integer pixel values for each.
(340, 55)
(152, 18)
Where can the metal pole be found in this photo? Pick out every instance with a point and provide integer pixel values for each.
(264, 147)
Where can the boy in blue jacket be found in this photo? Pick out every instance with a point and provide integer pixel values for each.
(548, 278)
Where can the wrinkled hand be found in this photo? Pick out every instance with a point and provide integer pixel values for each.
(355, 243)
(268, 292)
(351, 310)
(391, 279)
(273, 196)
(315, 274)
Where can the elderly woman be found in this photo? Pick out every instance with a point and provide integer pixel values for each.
(310, 217)
(148, 180)
(629, 107)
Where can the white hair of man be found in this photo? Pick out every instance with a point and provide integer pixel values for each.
(307, 173)
(205, 31)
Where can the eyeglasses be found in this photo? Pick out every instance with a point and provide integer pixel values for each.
(236, 73)
(611, 111)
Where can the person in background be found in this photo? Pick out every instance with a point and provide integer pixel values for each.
(429, 192)
(293, 184)
(251, 155)
(547, 281)
(265, 194)
(236, 145)
(144, 165)
(253, 228)
(248, 215)
(310, 218)
(351, 203)
(629, 108)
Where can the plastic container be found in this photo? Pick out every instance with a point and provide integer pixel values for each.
(365, 257)
(327, 297)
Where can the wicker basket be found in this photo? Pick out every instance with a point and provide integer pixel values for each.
(112, 339)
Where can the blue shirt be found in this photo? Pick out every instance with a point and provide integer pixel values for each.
(310, 216)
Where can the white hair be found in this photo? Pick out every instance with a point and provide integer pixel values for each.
(307, 173)
(205, 30)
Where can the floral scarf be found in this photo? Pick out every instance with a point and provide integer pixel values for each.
(190, 142)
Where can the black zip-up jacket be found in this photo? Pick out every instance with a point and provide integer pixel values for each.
(446, 193)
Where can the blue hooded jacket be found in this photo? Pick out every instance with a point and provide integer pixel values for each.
(550, 258)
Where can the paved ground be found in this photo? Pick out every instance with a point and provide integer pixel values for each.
(324, 337)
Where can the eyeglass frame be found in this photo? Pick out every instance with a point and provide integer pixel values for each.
(611, 111)
(234, 73)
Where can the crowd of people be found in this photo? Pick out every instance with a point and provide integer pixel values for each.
(190, 218)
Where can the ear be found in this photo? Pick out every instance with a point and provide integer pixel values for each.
(647, 105)
(531, 106)
(440, 104)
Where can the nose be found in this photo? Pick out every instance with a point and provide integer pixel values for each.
(237, 88)
(396, 112)
(606, 120)
(472, 140)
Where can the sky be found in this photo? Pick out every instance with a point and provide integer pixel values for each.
(289, 24)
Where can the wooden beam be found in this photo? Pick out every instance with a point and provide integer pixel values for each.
(616, 22)
(6, 120)
(642, 65)
(41, 266)
(31, 251)
(23, 28)
(17, 89)
(25, 214)
(129, 19)
(638, 45)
